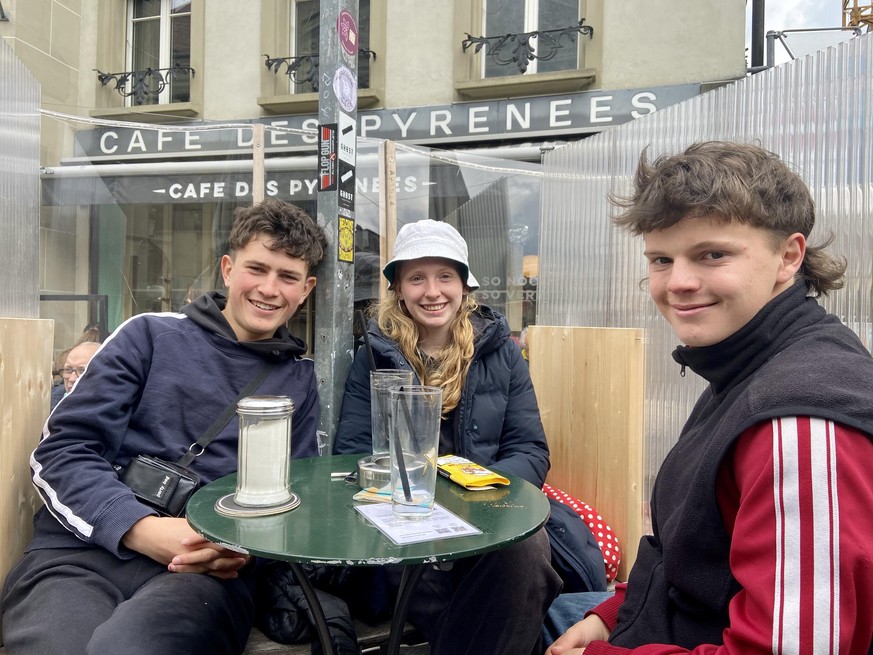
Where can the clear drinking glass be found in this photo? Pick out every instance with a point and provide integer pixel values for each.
(264, 476)
(322, 442)
(381, 380)
(414, 442)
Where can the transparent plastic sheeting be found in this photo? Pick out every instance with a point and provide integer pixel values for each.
(19, 187)
(158, 228)
(814, 112)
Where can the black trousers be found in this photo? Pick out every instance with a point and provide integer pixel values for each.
(74, 601)
(491, 603)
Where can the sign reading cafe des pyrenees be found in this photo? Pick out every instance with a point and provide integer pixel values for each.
(541, 116)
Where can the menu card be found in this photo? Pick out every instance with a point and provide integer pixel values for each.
(441, 524)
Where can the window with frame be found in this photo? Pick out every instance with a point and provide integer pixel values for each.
(305, 20)
(159, 39)
(519, 16)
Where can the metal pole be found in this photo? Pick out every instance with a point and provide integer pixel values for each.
(337, 134)
(757, 33)
(771, 48)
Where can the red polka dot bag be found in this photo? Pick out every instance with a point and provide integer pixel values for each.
(603, 534)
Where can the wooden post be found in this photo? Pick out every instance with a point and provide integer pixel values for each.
(589, 384)
(258, 181)
(387, 206)
(25, 387)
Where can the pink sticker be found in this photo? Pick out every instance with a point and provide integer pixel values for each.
(348, 32)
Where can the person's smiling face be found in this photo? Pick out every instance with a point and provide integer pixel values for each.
(709, 277)
(432, 291)
(264, 289)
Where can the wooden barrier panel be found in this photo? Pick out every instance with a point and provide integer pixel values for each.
(25, 386)
(589, 384)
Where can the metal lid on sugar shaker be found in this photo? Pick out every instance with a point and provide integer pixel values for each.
(265, 406)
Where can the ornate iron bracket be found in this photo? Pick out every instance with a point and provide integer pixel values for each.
(144, 83)
(304, 69)
(517, 48)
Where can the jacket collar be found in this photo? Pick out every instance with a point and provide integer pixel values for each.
(726, 363)
(205, 311)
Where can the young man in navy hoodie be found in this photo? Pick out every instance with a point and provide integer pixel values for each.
(104, 572)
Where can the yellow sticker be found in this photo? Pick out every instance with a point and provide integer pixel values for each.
(346, 240)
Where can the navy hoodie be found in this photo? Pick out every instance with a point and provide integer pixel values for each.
(154, 387)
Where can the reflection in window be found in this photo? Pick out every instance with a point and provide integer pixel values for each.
(305, 35)
(159, 37)
(517, 16)
(170, 257)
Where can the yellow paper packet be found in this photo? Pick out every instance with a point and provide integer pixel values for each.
(468, 474)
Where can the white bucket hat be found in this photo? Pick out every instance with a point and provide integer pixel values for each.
(428, 238)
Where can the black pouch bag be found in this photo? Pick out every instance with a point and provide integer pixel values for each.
(160, 484)
(575, 554)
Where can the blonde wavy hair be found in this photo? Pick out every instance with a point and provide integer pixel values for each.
(453, 359)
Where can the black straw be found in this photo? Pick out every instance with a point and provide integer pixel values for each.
(407, 416)
(401, 461)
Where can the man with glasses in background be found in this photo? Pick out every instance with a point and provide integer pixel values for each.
(74, 366)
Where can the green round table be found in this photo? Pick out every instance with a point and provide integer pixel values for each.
(326, 529)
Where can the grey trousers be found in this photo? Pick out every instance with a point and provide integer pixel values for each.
(75, 601)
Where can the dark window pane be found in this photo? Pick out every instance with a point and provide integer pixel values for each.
(146, 44)
(364, 40)
(146, 54)
(146, 8)
(503, 17)
(508, 17)
(180, 7)
(180, 87)
(555, 14)
(306, 38)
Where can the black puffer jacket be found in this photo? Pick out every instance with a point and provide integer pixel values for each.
(497, 421)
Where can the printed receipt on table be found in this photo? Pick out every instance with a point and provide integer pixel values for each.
(468, 474)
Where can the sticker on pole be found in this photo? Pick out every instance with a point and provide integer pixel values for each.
(346, 195)
(345, 87)
(327, 157)
(346, 239)
(347, 138)
(348, 32)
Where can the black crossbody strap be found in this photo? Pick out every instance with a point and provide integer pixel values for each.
(196, 449)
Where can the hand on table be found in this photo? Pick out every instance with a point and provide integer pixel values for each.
(171, 541)
(574, 641)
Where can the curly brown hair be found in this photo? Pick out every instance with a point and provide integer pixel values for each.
(288, 227)
(736, 182)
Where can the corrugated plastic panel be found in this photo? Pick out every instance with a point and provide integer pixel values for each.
(814, 112)
(19, 187)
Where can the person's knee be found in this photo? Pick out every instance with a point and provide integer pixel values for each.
(532, 555)
(176, 612)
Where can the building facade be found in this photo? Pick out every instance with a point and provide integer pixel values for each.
(146, 150)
